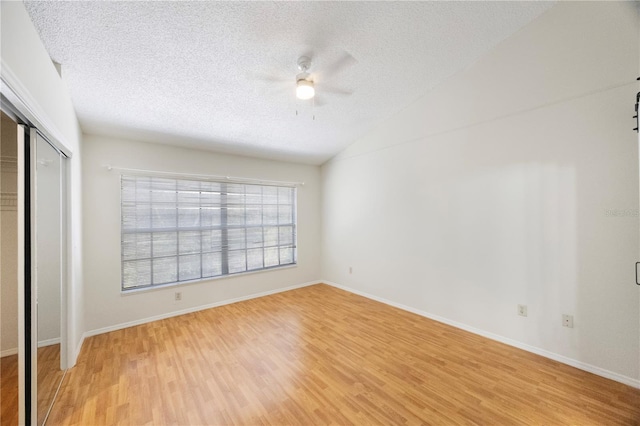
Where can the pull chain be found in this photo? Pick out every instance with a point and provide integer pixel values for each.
(313, 106)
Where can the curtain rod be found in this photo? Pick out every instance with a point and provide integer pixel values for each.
(205, 177)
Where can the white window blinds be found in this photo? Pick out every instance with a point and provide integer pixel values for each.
(176, 230)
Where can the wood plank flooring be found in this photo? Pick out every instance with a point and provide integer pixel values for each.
(49, 376)
(319, 355)
(9, 390)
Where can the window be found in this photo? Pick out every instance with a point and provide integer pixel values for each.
(176, 230)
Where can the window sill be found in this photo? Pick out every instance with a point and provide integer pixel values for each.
(133, 291)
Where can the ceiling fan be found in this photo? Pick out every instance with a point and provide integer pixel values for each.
(304, 83)
(312, 85)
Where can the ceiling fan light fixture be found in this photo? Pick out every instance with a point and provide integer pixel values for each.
(305, 89)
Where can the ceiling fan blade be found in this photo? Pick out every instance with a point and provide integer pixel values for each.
(334, 90)
(343, 62)
(265, 88)
(270, 78)
(278, 90)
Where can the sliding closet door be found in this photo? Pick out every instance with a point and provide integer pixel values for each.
(48, 259)
(41, 273)
(26, 338)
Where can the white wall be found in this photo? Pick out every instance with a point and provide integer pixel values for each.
(106, 307)
(28, 70)
(515, 182)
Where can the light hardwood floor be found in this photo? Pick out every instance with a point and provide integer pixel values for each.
(319, 355)
(9, 390)
(49, 376)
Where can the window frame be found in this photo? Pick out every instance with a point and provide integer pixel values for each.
(225, 249)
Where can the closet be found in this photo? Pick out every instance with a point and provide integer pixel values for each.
(34, 269)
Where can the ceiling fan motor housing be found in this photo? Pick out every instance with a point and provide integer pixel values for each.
(304, 63)
(303, 76)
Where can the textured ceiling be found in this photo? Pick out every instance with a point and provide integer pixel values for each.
(193, 73)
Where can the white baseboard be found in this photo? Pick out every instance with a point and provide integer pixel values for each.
(547, 354)
(190, 310)
(48, 342)
(8, 352)
(41, 344)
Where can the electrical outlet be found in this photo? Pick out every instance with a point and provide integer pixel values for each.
(178, 296)
(522, 310)
(567, 321)
(350, 270)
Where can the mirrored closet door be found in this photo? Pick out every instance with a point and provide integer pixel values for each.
(48, 269)
(8, 270)
(33, 274)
